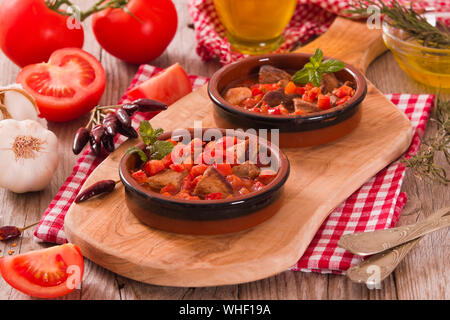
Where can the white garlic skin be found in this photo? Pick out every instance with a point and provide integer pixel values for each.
(20, 174)
(20, 104)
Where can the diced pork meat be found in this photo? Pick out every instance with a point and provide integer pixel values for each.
(211, 182)
(236, 95)
(246, 170)
(162, 179)
(305, 106)
(270, 74)
(277, 97)
(329, 83)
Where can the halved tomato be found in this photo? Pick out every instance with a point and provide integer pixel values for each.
(46, 273)
(167, 86)
(67, 86)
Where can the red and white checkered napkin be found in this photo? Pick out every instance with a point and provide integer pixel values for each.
(377, 205)
(311, 18)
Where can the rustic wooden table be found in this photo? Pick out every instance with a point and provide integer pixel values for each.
(424, 273)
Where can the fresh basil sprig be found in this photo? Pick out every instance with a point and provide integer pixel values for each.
(156, 149)
(313, 70)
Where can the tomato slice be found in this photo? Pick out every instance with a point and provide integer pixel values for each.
(67, 86)
(167, 86)
(46, 273)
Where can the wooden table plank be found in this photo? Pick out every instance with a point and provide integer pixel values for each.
(424, 274)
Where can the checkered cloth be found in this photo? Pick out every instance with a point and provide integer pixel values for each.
(311, 18)
(376, 205)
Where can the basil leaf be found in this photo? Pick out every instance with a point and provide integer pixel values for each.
(315, 77)
(139, 152)
(158, 132)
(146, 132)
(331, 65)
(317, 57)
(160, 149)
(301, 76)
(309, 65)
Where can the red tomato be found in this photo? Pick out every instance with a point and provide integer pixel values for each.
(198, 170)
(235, 182)
(323, 102)
(152, 167)
(342, 100)
(139, 37)
(46, 273)
(290, 88)
(214, 196)
(170, 188)
(195, 181)
(343, 91)
(139, 176)
(300, 90)
(177, 167)
(168, 86)
(266, 176)
(30, 31)
(256, 91)
(258, 186)
(275, 110)
(67, 86)
(167, 160)
(223, 168)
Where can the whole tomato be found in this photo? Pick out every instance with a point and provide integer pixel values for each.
(30, 31)
(137, 36)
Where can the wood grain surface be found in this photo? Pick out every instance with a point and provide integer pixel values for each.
(424, 274)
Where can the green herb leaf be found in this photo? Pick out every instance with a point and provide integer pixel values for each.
(139, 152)
(160, 149)
(315, 77)
(301, 76)
(146, 132)
(157, 149)
(331, 65)
(317, 57)
(313, 70)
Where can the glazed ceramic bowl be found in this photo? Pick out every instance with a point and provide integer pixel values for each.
(203, 217)
(299, 130)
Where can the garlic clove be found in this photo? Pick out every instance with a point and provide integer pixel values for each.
(16, 103)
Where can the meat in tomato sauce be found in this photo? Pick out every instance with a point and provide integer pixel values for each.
(209, 175)
(273, 92)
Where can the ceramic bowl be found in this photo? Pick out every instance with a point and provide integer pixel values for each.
(314, 128)
(202, 217)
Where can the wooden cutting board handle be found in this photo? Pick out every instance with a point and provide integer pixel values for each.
(361, 46)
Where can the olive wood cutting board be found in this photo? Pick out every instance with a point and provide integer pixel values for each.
(321, 178)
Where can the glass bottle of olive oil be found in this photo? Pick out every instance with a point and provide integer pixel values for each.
(255, 26)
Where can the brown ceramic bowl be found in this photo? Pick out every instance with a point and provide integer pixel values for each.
(295, 130)
(202, 217)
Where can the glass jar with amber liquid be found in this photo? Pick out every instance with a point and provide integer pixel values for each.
(255, 26)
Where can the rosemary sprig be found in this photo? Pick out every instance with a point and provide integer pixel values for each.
(424, 162)
(408, 20)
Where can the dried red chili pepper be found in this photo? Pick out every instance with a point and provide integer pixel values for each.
(149, 105)
(127, 131)
(110, 124)
(130, 108)
(123, 117)
(12, 232)
(98, 188)
(80, 140)
(108, 142)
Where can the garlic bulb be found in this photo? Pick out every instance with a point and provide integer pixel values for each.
(28, 155)
(16, 103)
